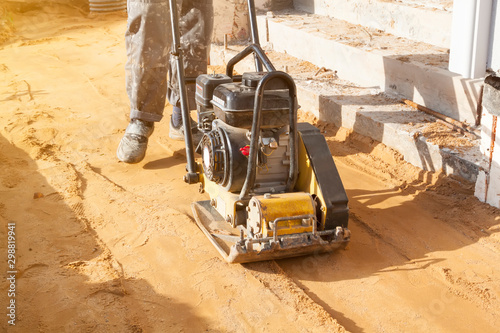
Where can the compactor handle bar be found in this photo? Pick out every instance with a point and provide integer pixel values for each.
(192, 176)
(261, 58)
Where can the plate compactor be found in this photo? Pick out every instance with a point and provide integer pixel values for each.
(274, 189)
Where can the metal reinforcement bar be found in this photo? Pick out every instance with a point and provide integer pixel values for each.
(438, 115)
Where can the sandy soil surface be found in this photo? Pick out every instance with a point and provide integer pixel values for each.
(107, 247)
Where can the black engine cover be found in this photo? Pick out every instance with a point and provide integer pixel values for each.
(234, 102)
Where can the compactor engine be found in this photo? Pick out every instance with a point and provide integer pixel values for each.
(270, 210)
(274, 189)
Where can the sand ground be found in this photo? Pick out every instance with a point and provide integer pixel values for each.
(103, 246)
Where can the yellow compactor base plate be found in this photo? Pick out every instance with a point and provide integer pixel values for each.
(236, 247)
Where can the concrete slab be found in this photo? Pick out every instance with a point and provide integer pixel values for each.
(423, 21)
(371, 113)
(488, 184)
(398, 66)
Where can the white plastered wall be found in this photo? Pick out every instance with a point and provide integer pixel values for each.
(470, 37)
(494, 54)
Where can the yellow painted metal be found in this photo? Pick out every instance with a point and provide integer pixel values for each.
(224, 202)
(265, 209)
(308, 183)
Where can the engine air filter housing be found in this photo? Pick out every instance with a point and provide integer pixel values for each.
(234, 102)
(205, 85)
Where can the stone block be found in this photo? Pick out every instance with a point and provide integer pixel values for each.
(491, 97)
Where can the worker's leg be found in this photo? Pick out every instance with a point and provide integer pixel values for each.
(148, 41)
(195, 23)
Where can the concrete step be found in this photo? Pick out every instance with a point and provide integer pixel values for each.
(370, 58)
(424, 21)
(415, 135)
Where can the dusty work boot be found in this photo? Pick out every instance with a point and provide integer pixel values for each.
(177, 133)
(132, 147)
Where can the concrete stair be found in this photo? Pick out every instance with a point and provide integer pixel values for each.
(371, 113)
(401, 67)
(424, 21)
(372, 54)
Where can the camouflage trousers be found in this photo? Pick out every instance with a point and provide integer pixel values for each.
(150, 69)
